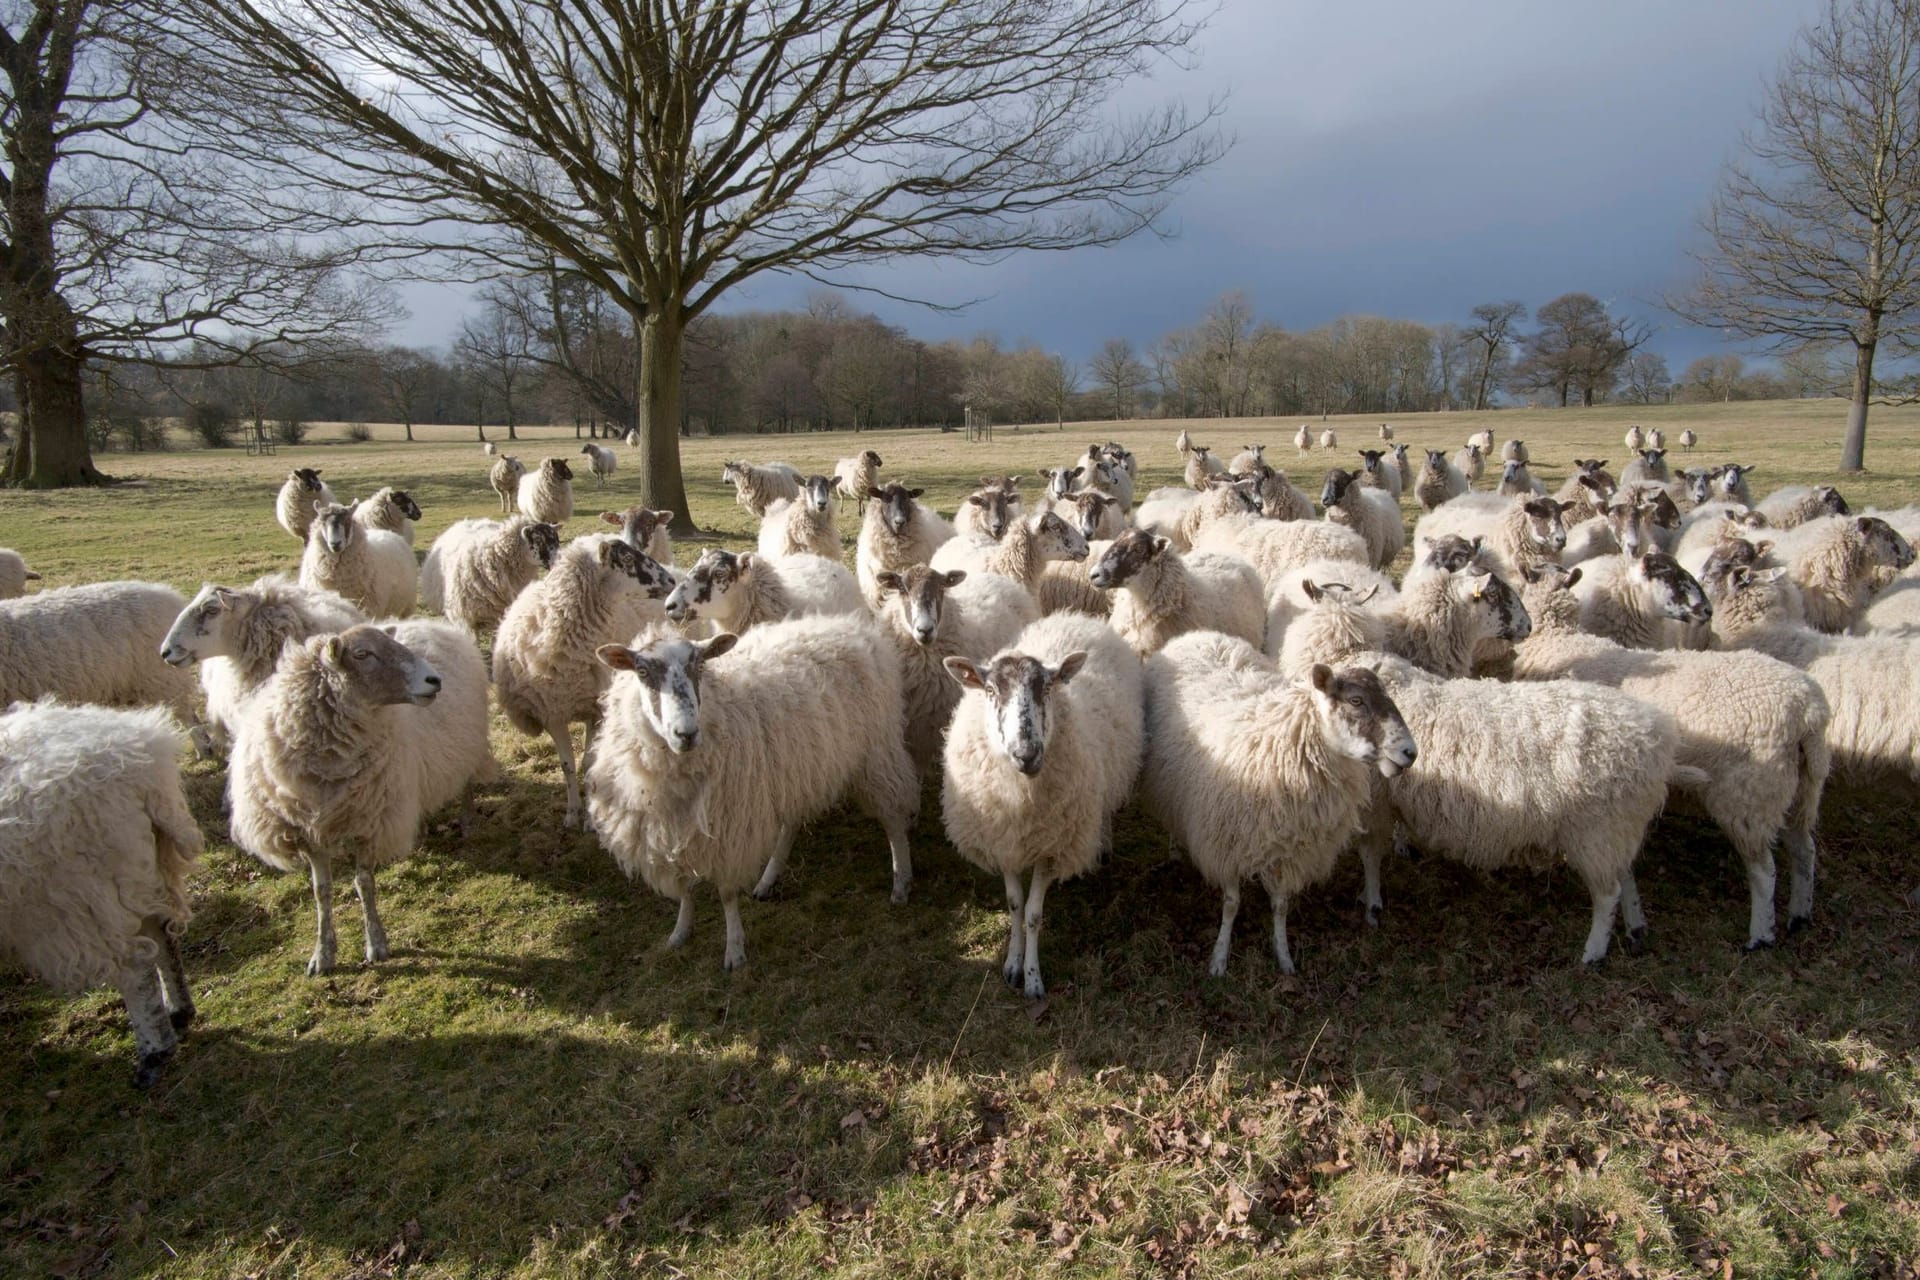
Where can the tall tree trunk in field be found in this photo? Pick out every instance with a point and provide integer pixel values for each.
(1853, 451)
(662, 335)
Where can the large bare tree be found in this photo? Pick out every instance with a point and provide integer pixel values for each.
(1579, 348)
(1493, 336)
(1816, 233)
(668, 152)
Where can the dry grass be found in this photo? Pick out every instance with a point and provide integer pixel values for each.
(532, 1086)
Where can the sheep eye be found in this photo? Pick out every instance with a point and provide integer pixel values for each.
(1356, 701)
(361, 655)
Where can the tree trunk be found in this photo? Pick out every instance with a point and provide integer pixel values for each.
(53, 452)
(1853, 453)
(661, 486)
(408, 426)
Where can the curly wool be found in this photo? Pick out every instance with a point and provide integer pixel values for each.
(795, 528)
(1180, 515)
(1022, 554)
(293, 507)
(1835, 566)
(758, 486)
(857, 477)
(773, 589)
(1375, 516)
(1793, 505)
(383, 511)
(1274, 547)
(1065, 588)
(1439, 625)
(14, 574)
(477, 569)
(97, 643)
(1200, 591)
(1438, 483)
(546, 493)
(1331, 630)
(880, 550)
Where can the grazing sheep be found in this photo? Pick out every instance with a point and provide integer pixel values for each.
(1167, 594)
(1630, 599)
(1730, 484)
(547, 493)
(599, 590)
(1274, 548)
(1517, 481)
(1514, 451)
(897, 533)
(758, 486)
(504, 476)
(985, 513)
(739, 592)
(601, 462)
(1836, 561)
(1796, 504)
(1262, 777)
(95, 845)
(1329, 439)
(1021, 555)
(1650, 466)
(1202, 466)
(391, 510)
(1439, 481)
(1377, 473)
(708, 765)
(1517, 533)
(95, 643)
(1636, 438)
(14, 575)
(645, 531)
(1587, 491)
(1303, 439)
(856, 478)
(933, 615)
(1250, 461)
(1445, 622)
(803, 527)
(294, 507)
(343, 751)
(477, 568)
(372, 568)
(1688, 439)
(1371, 513)
(1483, 441)
(1386, 433)
(1755, 727)
(1043, 751)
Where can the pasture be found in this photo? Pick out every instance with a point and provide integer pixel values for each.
(533, 1085)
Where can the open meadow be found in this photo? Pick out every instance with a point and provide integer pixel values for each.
(533, 1085)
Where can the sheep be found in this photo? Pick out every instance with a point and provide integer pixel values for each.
(1022, 554)
(236, 636)
(646, 531)
(294, 507)
(1656, 440)
(1636, 438)
(1202, 466)
(1636, 520)
(1755, 728)
(1261, 777)
(1303, 439)
(632, 438)
(804, 526)
(1835, 561)
(477, 568)
(504, 476)
(1274, 548)
(94, 643)
(1517, 532)
(1280, 499)
(601, 462)
(1060, 485)
(1249, 461)
(1482, 440)
(1514, 451)
(14, 574)
(599, 590)
(1181, 514)
(389, 509)
(1064, 586)
(1586, 492)
(1095, 515)
(1517, 481)
(1688, 439)
(1629, 599)
(1707, 526)
(1730, 484)
(1044, 748)
(1109, 477)
(1289, 605)
(370, 567)
(932, 615)
(1329, 439)
(340, 754)
(1376, 473)
(708, 768)
(856, 478)
(1167, 594)
(1650, 465)
(546, 494)
(1439, 481)
(1371, 513)
(898, 532)
(1183, 443)
(758, 486)
(1386, 433)
(1122, 458)
(1405, 465)
(739, 592)
(985, 513)
(1796, 504)
(95, 848)
(1445, 622)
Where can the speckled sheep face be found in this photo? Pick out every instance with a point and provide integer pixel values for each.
(557, 469)
(334, 526)
(543, 541)
(199, 632)
(1060, 482)
(715, 574)
(993, 511)
(896, 507)
(404, 501)
(1335, 488)
(1731, 553)
(1451, 553)
(1058, 539)
(1675, 593)
(818, 493)
(669, 673)
(920, 594)
(642, 568)
(309, 478)
(379, 668)
(1885, 546)
(1359, 720)
(1699, 483)
(1496, 606)
(1629, 519)
(1018, 688)
(1131, 552)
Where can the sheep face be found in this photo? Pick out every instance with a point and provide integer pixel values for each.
(1370, 460)
(707, 584)
(1731, 553)
(1495, 607)
(637, 524)
(1088, 508)
(1060, 482)
(1674, 592)
(920, 596)
(1831, 501)
(1600, 485)
(817, 493)
(1884, 544)
(1436, 462)
(404, 501)
(1515, 477)
(1699, 483)
(871, 458)
(1450, 553)
(1334, 492)
(669, 671)
(200, 630)
(1400, 454)
(378, 668)
(994, 509)
(1546, 524)
(733, 473)
(897, 507)
(1130, 553)
(308, 477)
(1629, 520)
(557, 469)
(1359, 720)
(334, 525)
(1726, 480)
(1059, 540)
(542, 541)
(641, 567)
(1018, 688)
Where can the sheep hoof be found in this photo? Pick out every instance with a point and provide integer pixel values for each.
(318, 964)
(1036, 989)
(181, 1018)
(1760, 944)
(768, 892)
(733, 961)
(1636, 940)
(899, 894)
(149, 1069)
(1373, 915)
(1799, 924)
(377, 951)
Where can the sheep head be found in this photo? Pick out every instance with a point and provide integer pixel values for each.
(669, 672)
(1359, 720)
(921, 594)
(368, 660)
(1018, 688)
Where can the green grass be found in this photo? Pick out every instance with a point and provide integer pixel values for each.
(533, 1086)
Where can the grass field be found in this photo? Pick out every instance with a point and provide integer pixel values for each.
(534, 1086)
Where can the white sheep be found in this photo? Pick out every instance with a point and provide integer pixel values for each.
(737, 593)
(1636, 439)
(1179, 514)
(1837, 561)
(1250, 461)
(1688, 439)
(372, 568)
(1064, 586)
(1183, 443)
(1405, 466)
(1517, 533)
(1439, 481)
(1446, 623)
(1288, 609)
(95, 643)
(1630, 600)
(1165, 594)
(1371, 513)
(1022, 554)
(1798, 503)
(715, 753)
(1329, 439)
(601, 462)
(897, 533)
(478, 567)
(1516, 481)
(1280, 499)
(546, 493)
(1303, 439)
(389, 509)
(294, 506)
(1514, 451)
(1108, 476)
(1730, 484)
(1707, 526)
(95, 844)
(856, 478)
(1656, 439)
(1377, 472)
(504, 476)
(1649, 467)
(645, 531)
(758, 486)
(1586, 492)
(986, 512)
(1386, 432)
(1471, 462)
(1095, 515)
(804, 526)
(1275, 547)
(1044, 748)
(599, 591)
(14, 574)
(1262, 777)
(1202, 466)
(1482, 440)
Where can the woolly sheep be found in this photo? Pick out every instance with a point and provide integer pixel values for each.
(1707, 526)
(1064, 586)
(504, 476)
(1656, 439)
(715, 752)
(1249, 461)
(372, 568)
(1482, 440)
(477, 568)
(1630, 599)
(1447, 622)
(1517, 533)
(1109, 477)
(1587, 491)
(94, 643)
(389, 509)
(546, 493)
(1688, 439)
(1386, 433)
(1651, 465)
(646, 531)
(897, 533)
(1405, 466)
(1371, 513)
(1180, 515)
(1022, 555)
(758, 486)
(1202, 466)
(14, 575)
(1183, 443)
(1471, 463)
(1044, 748)
(1261, 777)
(986, 512)
(803, 527)
(1275, 547)
(1730, 484)
(1061, 482)
(1280, 499)
(1165, 594)
(1439, 481)
(1636, 439)
(1378, 473)
(601, 462)
(294, 507)
(1122, 458)
(95, 845)
(739, 592)
(1514, 451)
(856, 478)
(1329, 439)
(1517, 481)
(1836, 562)
(1371, 591)
(1303, 439)
(1796, 504)
(1095, 515)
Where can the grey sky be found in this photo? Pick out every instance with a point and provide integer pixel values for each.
(1401, 158)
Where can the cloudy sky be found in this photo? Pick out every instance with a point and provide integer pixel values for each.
(1400, 158)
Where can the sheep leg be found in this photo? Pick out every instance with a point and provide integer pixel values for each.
(1799, 842)
(174, 991)
(1606, 902)
(776, 865)
(1370, 859)
(563, 746)
(1760, 883)
(1280, 900)
(1036, 906)
(1631, 912)
(1229, 908)
(376, 932)
(890, 791)
(587, 739)
(323, 943)
(682, 923)
(1015, 968)
(153, 1034)
(736, 936)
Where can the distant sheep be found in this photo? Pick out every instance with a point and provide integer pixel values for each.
(645, 531)
(1386, 433)
(1471, 463)
(1202, 466)
(1514, 451)
(1439, 481)
(504, 476)
(1371, 513)
(855, 479)
(546, 493)
(1650, 466)
(758, 486)
(1636, 439)
(601, 462)
(1482, 440)
(1303, 439)
(1377, 471)
(294, 507)
(375, 570)
(1516, 480)
(1688, 439)
(1329, 439)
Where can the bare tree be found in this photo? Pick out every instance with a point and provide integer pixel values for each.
(1492, 333)
(405, 375)
(1579, 348)
(1816, 234)
(668, 153)
(495, 346)
(1119, 373)
(1049, 383)
(1644, 379)
(1713, 377)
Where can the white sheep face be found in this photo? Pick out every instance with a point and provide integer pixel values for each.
(669, 674)
(333, 524)
(200, 632)
(1358, 720)
(1018, 688)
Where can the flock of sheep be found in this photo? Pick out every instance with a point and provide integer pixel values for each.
(1549, 673)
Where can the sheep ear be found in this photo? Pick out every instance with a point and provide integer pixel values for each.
(1478, 541)
(955, 577)
(914, 493)
(890, 581)
(617, 656)
(392, 629)
(1571, 579)
(966, 673)
(1590, 482)
(1160, 544)
(1013, 481)
(1321, 676)
(613, 518)
(332, 652)
(1770, 575)
(746, 561)
(976, 499)
(720, 644)
(1481, 584)
(319, 506)
(1069, 667)
(226, 595)
(1370, 595)
(1762, 547)
(1312, 592)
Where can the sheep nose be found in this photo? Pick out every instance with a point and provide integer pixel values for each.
(684, 739)
(923, 634)
(432, 682)
(1027, 764)
(1408, 754)
(173, 655)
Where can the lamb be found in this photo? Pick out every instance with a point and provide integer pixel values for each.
(1651, 465)
(236, 636)
(477, 568)
(646, 531)
(1517, 481)
(1329, 439)
(710, 764)
(1371, 513)
(599, 590)
(985, 513)
(1043, 751)
(1755, 727)
(1167, 594)
(1261, 777)
(547, 494)
(94, 643)
(1376, 473)
(1656, 439)
(1482, 440)
(389, 509)
(1688, 439)
(1274, 548)
(1303, 439)
(370, 567)
(601, 462)
(1636, 438)
(331, 764)
(1250, 461)
(294, 507)
(1629, 599)
(1836, 562)
(933, 615)
(1440, 481)
(1202, 466)
(95, 848)
(1796, 504)
(856, 478)
(1518, 533)
(804, 526)
(14, 575)
(505, 475)
(897, 533)
(739, 592)
(1514, 451)
(757, 487)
